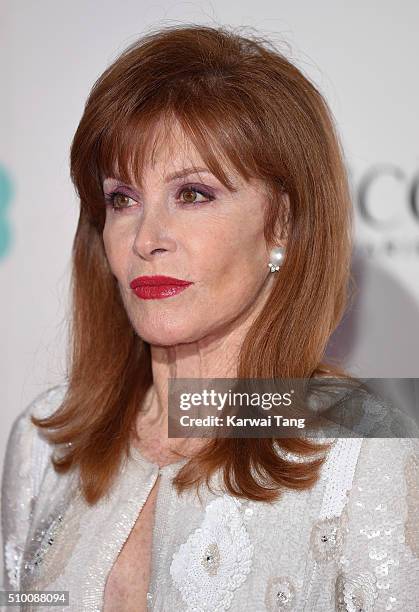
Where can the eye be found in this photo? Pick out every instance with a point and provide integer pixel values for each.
(118, 200)
(190, 193)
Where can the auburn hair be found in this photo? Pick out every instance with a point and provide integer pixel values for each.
(240, 101)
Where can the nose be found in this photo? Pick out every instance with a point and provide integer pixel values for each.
(153, 235)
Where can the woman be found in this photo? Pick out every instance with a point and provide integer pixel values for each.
(206, 157)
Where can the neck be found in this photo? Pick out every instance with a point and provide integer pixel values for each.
(214, 356)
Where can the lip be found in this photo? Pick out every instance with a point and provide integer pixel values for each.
(153, 281)
(157, 287)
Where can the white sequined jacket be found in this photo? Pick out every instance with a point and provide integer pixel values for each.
(350, 543)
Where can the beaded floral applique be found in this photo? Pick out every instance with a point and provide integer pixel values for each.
(280, 594)
(46, 539)
(355, 593)
(216, 558)
(52, 544)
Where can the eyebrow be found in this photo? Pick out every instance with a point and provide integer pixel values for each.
(195, 170)
(185, 172)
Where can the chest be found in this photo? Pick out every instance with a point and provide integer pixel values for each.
(127, 583)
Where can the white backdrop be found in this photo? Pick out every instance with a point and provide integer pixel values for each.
(362, 55)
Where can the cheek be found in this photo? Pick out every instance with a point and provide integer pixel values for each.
(116, 250)
(233, 259)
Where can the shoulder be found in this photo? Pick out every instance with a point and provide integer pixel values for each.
(44, 404)
(27, 451)
(363, 408)
(25, 464)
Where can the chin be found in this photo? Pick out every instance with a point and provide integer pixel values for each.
(167, 335)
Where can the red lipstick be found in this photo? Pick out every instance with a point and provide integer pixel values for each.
(157, 287)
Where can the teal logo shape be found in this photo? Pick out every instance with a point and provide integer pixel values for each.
(6, 196)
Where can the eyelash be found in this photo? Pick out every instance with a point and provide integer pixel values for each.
(109, 198)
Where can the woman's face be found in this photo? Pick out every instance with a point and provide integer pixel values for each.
(192, 228)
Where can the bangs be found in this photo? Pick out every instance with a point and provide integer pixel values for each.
(126, 149)
(128, 144)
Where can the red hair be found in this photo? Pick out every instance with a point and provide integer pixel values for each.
(239, 101)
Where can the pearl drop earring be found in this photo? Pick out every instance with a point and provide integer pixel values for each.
(277, 255)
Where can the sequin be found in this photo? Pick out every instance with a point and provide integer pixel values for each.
(355, 593)
(211, 559)
(326, 539)
(411, 471)
(280, 594)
